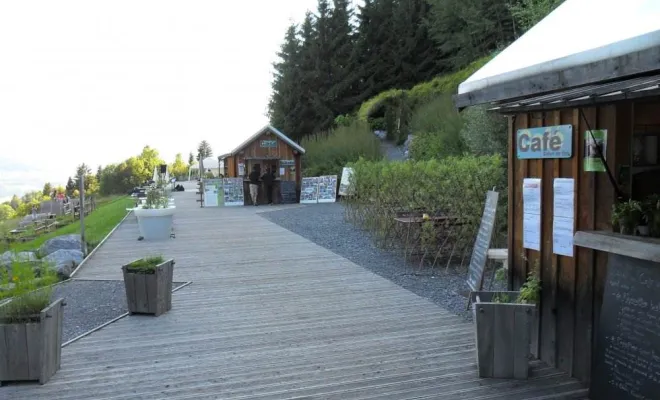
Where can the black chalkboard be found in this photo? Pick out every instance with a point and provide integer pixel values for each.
(288, 192)
(482, 243)
(627, 358)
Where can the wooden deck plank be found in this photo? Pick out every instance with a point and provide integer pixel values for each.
(271, 315)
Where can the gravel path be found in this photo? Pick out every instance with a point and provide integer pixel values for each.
(90, 304)
(324, 225)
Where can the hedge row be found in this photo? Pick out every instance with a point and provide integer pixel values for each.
(453, 186)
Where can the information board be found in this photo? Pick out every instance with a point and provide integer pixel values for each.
(327, 189)
(213, 193)
(627, 358)
(288, 192)
(346, 174)
(233, 191)
(482, 243)
(309, 190)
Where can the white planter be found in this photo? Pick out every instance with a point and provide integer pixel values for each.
(156, 223)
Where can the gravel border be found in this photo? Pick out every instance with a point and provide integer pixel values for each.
(90, 304)
(324, 224)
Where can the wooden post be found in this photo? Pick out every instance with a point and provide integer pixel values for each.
(81, 209)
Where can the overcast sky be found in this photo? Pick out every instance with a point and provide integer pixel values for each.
(95, 81)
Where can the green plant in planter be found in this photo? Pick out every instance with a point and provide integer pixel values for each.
(156, 198)
(530, 292)
(30, 291)
(627, 216)
(145, 266)
(651, 214)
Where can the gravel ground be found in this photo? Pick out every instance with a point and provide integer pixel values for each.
(324, 225)
(90, 304)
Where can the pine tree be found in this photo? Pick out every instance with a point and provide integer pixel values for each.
(204, 150)
(342, 40)
(286, 86)
(48, 189)
(70, 187)
(191, 158)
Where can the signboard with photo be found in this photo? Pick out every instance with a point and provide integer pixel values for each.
(346, 174)
(595, 142)
(233, 191)
(213, 194)
(327, 188)
(309, 190)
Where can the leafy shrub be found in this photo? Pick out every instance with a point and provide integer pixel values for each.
(453, 186)
(29, 289)
(484, 132)
(327, 154)
(437, 128)
(6, 212)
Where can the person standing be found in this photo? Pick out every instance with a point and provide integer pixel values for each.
(268, 180)
(254, 185)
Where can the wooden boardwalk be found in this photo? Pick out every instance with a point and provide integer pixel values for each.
(271, 315)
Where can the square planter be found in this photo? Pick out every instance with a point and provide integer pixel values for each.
(155, 224)
(149, 293)
(31, 351)
(503, 334)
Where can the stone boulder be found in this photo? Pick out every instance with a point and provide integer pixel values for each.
(9, 257)
(64, 261)
(64, 242)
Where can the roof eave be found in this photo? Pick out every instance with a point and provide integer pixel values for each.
(625, 66)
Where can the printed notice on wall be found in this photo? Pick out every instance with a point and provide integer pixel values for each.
(532, 214)
(563, 216)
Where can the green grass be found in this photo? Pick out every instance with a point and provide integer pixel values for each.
(97, 224)
(145, 265)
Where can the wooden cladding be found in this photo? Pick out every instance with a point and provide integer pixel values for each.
(268, 146)
(572, 287)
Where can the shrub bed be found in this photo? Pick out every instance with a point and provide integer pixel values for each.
(452, 189)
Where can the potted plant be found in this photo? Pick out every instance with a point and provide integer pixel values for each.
(30, 323)
(627, 216)
(651, 215)
(503, 329)
(148, 283)
(155, 216)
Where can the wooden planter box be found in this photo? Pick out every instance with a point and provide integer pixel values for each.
(31, 351)
(149, 293)
(503, 333)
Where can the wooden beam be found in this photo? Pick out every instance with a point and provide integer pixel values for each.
(610, 242)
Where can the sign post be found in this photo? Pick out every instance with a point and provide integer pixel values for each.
(82, 214)
(477, 265)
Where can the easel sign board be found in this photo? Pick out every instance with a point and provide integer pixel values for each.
(482, 243)
(212, 192)
(345, 182)
(309, 190)
(327, 188)
(233, 192)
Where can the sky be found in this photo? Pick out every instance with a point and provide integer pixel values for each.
(95, 81)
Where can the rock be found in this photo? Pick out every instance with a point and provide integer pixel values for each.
(64, 261)
(8, 257)
(64, 242)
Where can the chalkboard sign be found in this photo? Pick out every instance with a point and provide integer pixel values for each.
(482, 244)
(288, 192)
(627, 359)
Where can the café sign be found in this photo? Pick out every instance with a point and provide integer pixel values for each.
(545, 142)
(269, 143)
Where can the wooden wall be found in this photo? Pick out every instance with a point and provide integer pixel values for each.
(253, 152)
(572, 287)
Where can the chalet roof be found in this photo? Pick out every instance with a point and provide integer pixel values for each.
(582, 42)
(263, 130)
(586, 95)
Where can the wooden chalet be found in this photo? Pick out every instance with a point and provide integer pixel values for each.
(590, 67)
(268, 148)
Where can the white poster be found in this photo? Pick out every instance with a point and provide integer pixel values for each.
(309, 190)
(563, 216)
(282, 171)
(564, 197)
(241, 169)
(327, 189)
(562, 236)
(532, 213)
